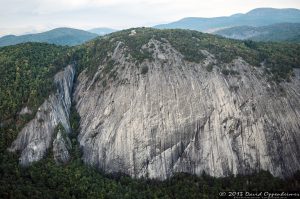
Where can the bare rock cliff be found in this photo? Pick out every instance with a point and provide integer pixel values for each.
(37, 136)
(168, 115)
(148, 112)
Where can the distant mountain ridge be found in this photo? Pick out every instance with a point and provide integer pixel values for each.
(59, 36)
(277, 32)
(256, 17)
(102, 31)
(260, 17)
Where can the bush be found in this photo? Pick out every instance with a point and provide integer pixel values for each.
(209, 67)
(229, 72)
(144, 70)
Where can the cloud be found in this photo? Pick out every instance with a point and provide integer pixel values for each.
(19, 16)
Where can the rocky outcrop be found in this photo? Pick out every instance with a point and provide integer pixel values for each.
(61, 147)
(178, 117)
(25, 111)
(37, 136)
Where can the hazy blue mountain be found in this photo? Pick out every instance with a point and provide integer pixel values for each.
(276, 32)
(102, 31)
(294, 39)
(256, 17)
(59, 36)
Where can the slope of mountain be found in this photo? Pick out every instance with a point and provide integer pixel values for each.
(156, 102)
(256, 17)
(26, 76)
(102, 31)
(152, 103)
(53, 113)
(59, 36)
(276, 32)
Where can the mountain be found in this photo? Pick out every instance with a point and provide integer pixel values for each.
(256, 17)
(148, 103)
(152, 103)
(59, 36)
(102, 31)
(276, 32)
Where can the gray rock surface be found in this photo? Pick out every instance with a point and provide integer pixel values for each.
(61, 147)
(37, 136)
(178, 117)
(25, 111)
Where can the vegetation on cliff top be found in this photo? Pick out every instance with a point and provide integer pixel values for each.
(27, 72)
(278, 58)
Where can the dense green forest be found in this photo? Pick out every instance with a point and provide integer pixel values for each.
(27, 71)
(26, 75)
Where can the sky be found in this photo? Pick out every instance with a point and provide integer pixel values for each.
(30, 16)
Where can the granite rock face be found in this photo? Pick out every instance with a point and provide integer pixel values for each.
(163, 115)
(177, 116)
(25, 111)
(37, 136)
(61, 147)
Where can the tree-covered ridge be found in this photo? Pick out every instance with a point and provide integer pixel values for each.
(27, 72)
(256, 17)
(278, 58)
(288, 32)
(58, 36)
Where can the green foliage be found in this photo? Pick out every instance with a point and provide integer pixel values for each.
(281, 32)
(104, 83)
(58, 36)
(27, 72)
(229, 72)
(209, 67)
(61, 129)
(134, 42)
(250, 44)
(225, 72)
(98, 51)
(45, 179)
(185, 42)
(26, 75)
(144, 70)
(279, 58)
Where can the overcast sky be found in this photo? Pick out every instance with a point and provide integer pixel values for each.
(23, 16)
